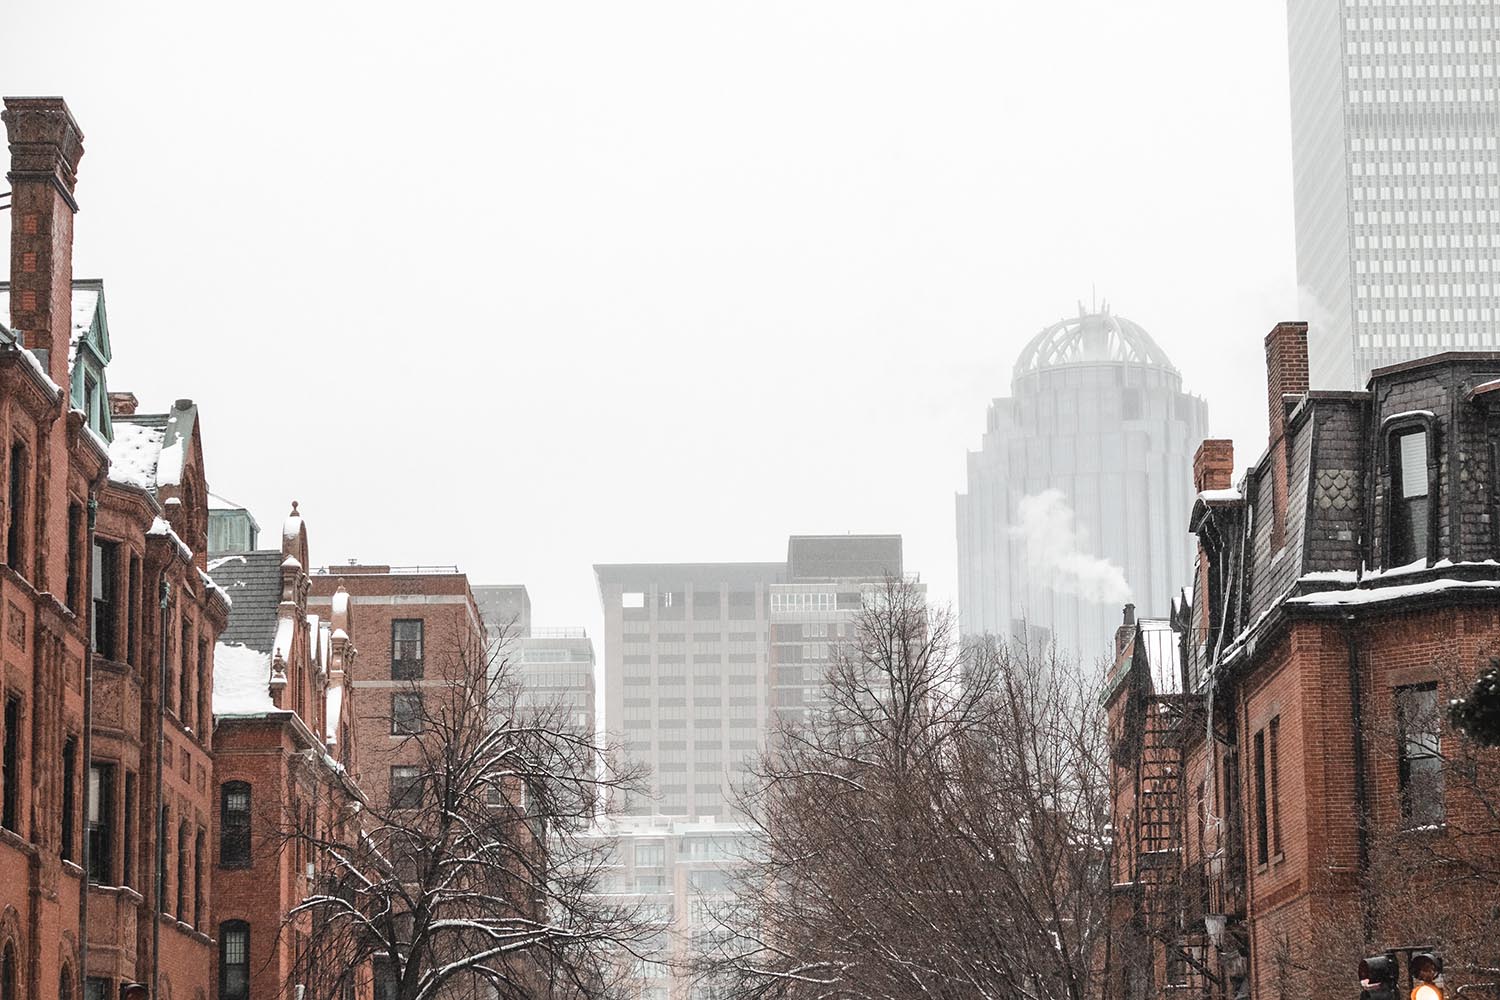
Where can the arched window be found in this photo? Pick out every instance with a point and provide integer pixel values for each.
(234, 960)
(234, 824)
(15, 530)
(8, 981)
(65, 984)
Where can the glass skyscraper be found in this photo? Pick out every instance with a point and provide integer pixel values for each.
(1078, 498)
(1396, 177)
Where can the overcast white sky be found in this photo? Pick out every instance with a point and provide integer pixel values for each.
(530, 286)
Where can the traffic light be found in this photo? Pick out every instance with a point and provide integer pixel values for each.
(1377, 978)
(1426, 969)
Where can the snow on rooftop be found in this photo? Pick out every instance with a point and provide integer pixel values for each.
(1408, 414)
(1220, 496)
(133, 454)
(286, 632)
(214, 564)
(334, 707)
(169, 461)
(1378, 595)
(242, 679)
(85, 304)
(161, 527)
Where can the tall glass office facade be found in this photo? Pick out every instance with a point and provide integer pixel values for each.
(1396, 177)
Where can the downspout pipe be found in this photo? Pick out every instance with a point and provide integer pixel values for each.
(160, 895)
(1361, 792)
(88, 744)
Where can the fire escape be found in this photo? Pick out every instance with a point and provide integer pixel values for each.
(1172, 895)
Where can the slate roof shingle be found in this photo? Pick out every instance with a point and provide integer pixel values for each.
(253, 580)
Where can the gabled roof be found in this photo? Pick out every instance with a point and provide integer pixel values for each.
(253, 580)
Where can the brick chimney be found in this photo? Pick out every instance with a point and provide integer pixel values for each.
(1213, 465)
(1286, 375)
(123, 404)
(45, 146)
(1126, 631)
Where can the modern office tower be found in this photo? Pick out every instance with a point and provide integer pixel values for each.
(1396, 178)
(548, 669)
(1079, 495)
(506, 609)
(685, 653)
(828, 578)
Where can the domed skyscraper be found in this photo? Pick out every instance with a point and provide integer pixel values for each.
(1079, 495)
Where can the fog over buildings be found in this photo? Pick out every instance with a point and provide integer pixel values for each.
(1396, 174)
(1079, 494)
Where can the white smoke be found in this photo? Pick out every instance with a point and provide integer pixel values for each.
(1053, 554)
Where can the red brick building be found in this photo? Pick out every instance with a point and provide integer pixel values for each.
(285, 751)
(108, 620)
(1288, 795)
(417, 624)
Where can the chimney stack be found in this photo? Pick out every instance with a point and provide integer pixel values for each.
(45, 146)
(1286, 371)
(1213, 465)
(1126, 631)
(123, 404)
(1286, 375)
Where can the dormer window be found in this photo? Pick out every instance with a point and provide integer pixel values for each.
(1411, 496)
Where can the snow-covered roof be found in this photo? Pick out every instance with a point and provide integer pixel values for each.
(133, 453)
(1379, 595)
(1221, 496)
(242, 681)
(161, 527)
(149, 450)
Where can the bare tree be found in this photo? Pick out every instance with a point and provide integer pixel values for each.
(472, 880)
(937, 831)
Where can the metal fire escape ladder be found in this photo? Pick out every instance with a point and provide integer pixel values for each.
(1160, 814)
(1163, 876)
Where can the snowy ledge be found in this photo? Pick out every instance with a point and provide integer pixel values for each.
(1380, 595)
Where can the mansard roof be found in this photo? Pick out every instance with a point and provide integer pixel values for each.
(253, 580)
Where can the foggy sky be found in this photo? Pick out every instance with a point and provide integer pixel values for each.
(530, 286)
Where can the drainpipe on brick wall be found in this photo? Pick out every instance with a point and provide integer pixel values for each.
(158, 903)
(1361, 800)
(88, 743)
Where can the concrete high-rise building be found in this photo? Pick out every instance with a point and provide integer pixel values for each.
(552, 666)
(1396, 177)
(1079, 495)
(685, 654)
(828, 578)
